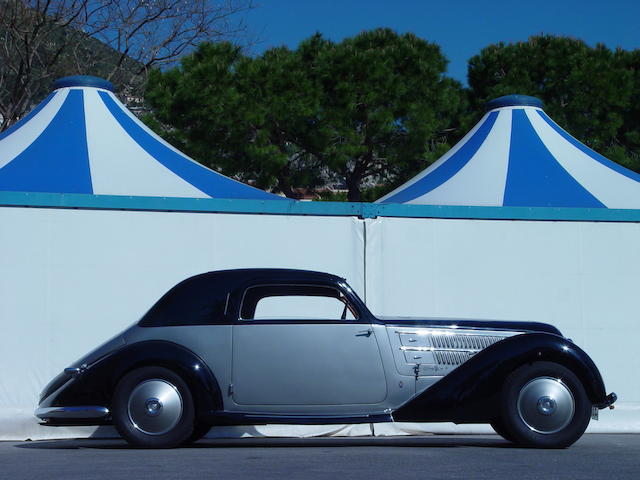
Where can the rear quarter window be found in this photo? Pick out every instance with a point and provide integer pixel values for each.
(196, 301)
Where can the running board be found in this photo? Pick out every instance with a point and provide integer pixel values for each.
(237, 418)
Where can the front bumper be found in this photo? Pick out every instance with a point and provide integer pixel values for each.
(71, 413)
(608, 401)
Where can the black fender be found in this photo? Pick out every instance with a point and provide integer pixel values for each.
(96, 384)
(468, 394)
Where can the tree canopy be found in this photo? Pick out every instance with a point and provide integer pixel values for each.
(375, 106)
(240, 115)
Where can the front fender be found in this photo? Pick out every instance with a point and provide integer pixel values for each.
(96, 384)
(468, 394)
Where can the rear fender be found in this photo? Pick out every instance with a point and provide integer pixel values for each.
(96, 384)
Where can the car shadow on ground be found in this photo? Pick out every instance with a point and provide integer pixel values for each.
(439, 441)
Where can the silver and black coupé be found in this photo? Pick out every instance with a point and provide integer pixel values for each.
(259, 346)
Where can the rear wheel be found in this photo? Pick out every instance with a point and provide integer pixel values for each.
(500, 429)
(153, 408)
(544, 405)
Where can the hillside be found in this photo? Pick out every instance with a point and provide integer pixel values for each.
(59, 52)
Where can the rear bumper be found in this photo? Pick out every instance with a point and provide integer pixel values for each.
(72, 413)
(608, 401)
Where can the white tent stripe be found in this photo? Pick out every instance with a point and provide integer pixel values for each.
(482, 180)
(142, 125)
(438, 162)
(609, 187)
(113, 172)
(161, 140)
(14, 144)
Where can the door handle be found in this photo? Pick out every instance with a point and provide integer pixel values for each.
(364, 333)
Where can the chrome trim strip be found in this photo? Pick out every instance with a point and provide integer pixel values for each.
(447, 347)
(91, 411)
(436, 349)
(226, 304)
(448, 331)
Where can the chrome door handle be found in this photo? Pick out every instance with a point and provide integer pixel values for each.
(364, 333)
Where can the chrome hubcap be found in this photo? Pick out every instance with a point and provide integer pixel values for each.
(546, 405)
(155, 406)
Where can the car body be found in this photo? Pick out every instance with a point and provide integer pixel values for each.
(257, 346)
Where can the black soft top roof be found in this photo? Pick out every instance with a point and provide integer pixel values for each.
(202, 299)
(242, 275)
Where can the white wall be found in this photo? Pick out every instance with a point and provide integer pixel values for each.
(582, 277)
(73, 278)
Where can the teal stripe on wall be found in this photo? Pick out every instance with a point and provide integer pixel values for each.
(278, 207)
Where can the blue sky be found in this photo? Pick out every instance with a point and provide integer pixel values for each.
(461, 28)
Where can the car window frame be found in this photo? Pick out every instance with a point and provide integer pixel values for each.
(351, 305)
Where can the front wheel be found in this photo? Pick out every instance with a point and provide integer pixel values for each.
(544, 405)
(153, 408)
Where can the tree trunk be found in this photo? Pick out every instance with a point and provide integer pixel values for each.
(353, 186)
(285, 186)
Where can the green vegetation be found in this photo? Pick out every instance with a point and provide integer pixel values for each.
(371, 111)
(372, 108)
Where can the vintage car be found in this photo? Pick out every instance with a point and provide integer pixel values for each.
(258, 346)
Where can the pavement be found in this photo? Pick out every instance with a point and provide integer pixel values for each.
(597, 456)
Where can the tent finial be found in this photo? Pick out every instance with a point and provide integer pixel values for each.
(83, 81)
(514, 101)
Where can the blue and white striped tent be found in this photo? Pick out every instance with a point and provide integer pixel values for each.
(81, 139)
(517, 156)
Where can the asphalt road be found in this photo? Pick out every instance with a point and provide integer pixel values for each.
(595, 456)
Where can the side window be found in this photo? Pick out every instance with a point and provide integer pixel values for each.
(295, 302)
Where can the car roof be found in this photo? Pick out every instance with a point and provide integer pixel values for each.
(273, 274)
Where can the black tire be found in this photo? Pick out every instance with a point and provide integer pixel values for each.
(146, 421)
(500, 429)
(544, 405)
(200, 429)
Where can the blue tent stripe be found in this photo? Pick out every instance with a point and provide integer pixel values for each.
(207, 181)
(587, 151)
(58, 160)
(448, 168)
(24, 120)
(534, 177)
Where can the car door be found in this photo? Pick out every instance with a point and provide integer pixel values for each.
(304, 345)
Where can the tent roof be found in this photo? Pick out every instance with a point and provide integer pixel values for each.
(82, 139)
(517, 156)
